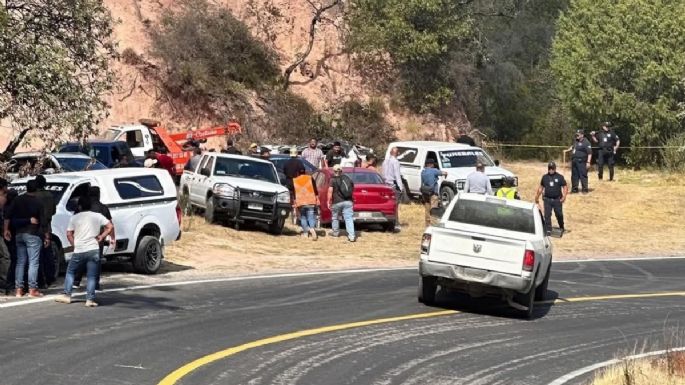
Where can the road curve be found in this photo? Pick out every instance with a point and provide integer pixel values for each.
(139, 337)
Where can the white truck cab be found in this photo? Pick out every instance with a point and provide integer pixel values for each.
(143, 204)
(238, 189)
(458, 160)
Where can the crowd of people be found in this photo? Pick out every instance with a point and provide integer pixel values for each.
(27, 261)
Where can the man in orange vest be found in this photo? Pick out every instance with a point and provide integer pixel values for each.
(305, 201)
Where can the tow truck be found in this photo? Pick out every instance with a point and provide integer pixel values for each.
(149, 134)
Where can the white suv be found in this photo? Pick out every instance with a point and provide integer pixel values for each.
(238, 189)
(144, 209)
(459, 160)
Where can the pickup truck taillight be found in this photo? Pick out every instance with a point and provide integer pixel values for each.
(426, 243)
(179, 214)
(528, 260)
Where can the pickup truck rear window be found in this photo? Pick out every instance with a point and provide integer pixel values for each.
(143, 186)
(493, 214)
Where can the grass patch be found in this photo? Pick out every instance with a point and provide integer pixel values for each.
(666, 370)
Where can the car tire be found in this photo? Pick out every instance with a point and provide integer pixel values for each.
(148, 255)
(446, 195)
(276, 228)
(185, 198)
(60, 262)
(390, 226)
(541, 291)
(527, 300)
(210, 212)
(428, 287)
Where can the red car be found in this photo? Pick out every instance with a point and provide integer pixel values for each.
(374, 201)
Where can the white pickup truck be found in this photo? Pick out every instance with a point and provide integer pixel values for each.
(485, 245)
(144, 209)
(238, 189)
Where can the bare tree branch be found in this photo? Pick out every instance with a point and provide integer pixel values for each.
(300, 58)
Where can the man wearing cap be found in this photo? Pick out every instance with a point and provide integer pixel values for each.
(554, 190)
(477, 182)
(429, 187)
(608, 143)
(581, 157)
(265, 153)
(340, 197)
(292, 168)
(253, 150)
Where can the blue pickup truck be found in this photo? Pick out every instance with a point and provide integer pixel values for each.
(108, 152)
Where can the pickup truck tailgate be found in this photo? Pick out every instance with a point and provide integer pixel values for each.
(478, 251)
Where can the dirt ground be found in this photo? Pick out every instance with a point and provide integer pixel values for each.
(638, 215)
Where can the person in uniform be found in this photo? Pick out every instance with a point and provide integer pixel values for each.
(608, 143)
(554, 190)
(581, 156)
(508, 189)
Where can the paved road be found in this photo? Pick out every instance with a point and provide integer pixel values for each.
(138, 337)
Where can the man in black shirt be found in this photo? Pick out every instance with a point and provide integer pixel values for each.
(230, 149)
(553, 189)
(335, 155)
(581, 157)
(608, 143)
(293, 168)
(5, 258)
(47, 273)
(465, 139)
(28, 238)
(340, 201)
(97, 207)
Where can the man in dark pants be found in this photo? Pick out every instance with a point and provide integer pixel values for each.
(46, 272)
(97, 207)
(608, 143)
(5, 258)
(581, 156)
(554, 190)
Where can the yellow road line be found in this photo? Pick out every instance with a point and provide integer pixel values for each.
(178, 374)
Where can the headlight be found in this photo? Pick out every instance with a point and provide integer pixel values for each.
(224, 190)
(461, 184)
(284, 197)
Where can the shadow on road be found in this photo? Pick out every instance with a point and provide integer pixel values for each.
(490, 306)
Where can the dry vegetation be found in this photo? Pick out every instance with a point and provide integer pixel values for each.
(639, 215)
(667, 370)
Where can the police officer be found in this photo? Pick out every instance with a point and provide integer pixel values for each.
(508, 190)
(581, 157)
(608, 143)
(554, 190)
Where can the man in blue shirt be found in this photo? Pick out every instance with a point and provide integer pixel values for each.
(429, 187)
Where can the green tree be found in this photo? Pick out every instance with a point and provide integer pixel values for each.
(414, 38)
(210, 60)
(54, 66)
(624, 60)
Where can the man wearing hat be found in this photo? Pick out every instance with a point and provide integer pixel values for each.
(293, 168)
(581, 156)
(554, 190)
(253, 150)
(429, 187)
(608, 143)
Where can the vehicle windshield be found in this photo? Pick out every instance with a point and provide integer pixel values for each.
(112, 134)
(494, 213)
(56, 189)
(79, 164)
(245, 168)
(464, 158)
(365, 178)
(98, 152)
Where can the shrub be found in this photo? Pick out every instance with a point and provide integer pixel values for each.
(674, 153)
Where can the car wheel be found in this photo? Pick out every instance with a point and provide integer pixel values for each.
(446, 195)
(187, 206)
(276, 228)
(428, 286)
(527, 300)
(389, 227)
(210, 213)
(541, 291)
(148, 257)
(60, 262)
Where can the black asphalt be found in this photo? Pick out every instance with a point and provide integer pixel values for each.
(138, 337)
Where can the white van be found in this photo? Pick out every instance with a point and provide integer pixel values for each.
(459, 160)
(144, 209)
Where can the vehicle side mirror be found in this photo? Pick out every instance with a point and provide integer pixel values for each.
(437, 212)
(205, 171)
(497, 162)
(72, 205)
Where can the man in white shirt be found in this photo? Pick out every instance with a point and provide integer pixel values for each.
(477, 182)
(85, 232)
(393, 177)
